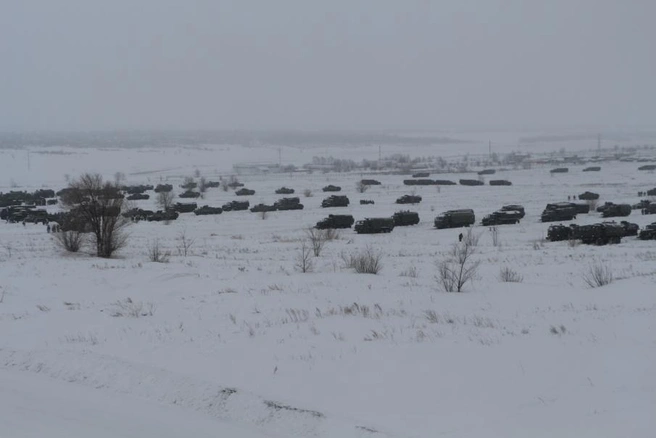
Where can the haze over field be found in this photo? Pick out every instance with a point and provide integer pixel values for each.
(343, 64)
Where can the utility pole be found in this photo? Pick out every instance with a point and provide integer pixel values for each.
(380, 157)
(599, 143)
(489, 148)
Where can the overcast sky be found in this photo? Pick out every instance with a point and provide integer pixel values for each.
(340, 64)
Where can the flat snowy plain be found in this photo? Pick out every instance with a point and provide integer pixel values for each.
(234, 341)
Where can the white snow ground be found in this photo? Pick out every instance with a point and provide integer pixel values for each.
(233, 340)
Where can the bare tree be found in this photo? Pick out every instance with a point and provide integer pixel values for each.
(165, 200)
(458, 268)
(509, 275)
(70, 240)
(202, 186)
(598, 274)
(367, 261)
(98, 204)
(317, 240)
(157, 254)
(119, 178)
(304, 261)
(185, 243)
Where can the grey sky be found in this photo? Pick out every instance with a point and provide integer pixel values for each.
(86, 64)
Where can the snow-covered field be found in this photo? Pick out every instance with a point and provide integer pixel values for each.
(232, 340)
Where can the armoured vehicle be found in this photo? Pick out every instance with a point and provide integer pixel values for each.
(244, 192)
(284, 191)
(366, 201)
(500, 182)
(212, 184)
(604, 206)
(650, 209)
(648, 233)
(235, 184)
(370, 182)
(138, 197)
(405, 218)
(185, 208)
(630, 229)
(136, 214)
(648, 167)
(651, 192)
(206, 209)
(421, 175)
(16, 213)
(163, 188)
(588, 196)
(561, 211)
(189, 185)
(455, 219)
(236, 206)
(263, 207)
(559, 232)
(502, 217)
(599, 234)
(592, 169)
(288, 204)
(135, 190)
(515, 207)
(189, 194)
(419, 182)
(332, 188)
(374, 225)
(559, 170)
(169, 215)
(617, 210)
(444, 182)
(335, 201)
(409, 199)
(37, 217)
(487, 172)
(335, 221)
(471, 182)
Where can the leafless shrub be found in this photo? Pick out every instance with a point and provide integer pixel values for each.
(185, 243)
(43, 308)
(156, 254)
(410, 272)
(131, 309)
(165, 200)
(367, 261)
(573, 243)
(459, 267)
(202, 186)
(509, 275)
(2, 294)
(304, 262)
(592, 203)
(330, 234)
(432, 316)
(361, 187)
(598, 274)
(307, 193)
(70, 241)
(558, 330)
(471, 238)
(317, 240)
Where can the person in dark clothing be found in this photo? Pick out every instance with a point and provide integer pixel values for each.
(48, 228)
(460, 237)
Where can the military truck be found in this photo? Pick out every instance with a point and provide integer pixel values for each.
(500, 182)
(374, 225)
(409, 199)
(515, 207)
(189, 185)
(648, 233)
(559, 232)
(335, 201)
(501, 217)
(284, 191)
(617, 210)
(644, 203)
(455, 219)
(560, 211)
(163, 188)
(559, 170)
(185, 207)
(592, 169)
(588, 196)
(630, 229)
(288, 204)
(206, 210)
(332, 188)
(335, 221)
(581, 208)
(405, 218)
(244, 192)
(236, 206)
(16, 213)
(651, 192)
(37, 217)
(366, 201)
(189, 194)
(263, 207)
(138, 197)
(370, 182)
(470, 182)
(599, 234)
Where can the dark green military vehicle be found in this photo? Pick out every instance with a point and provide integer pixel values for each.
(335, 201)
(617, 210)
(207, 210)
(288, 204)
(560, 211)
(409, 199)
(236, 206)
(599, 234)
(502, 217)
(335, 221)
(648, 233)
(455, 219)
(405, 218)
(374, 225)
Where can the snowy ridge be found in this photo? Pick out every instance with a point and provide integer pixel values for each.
(109, 373)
